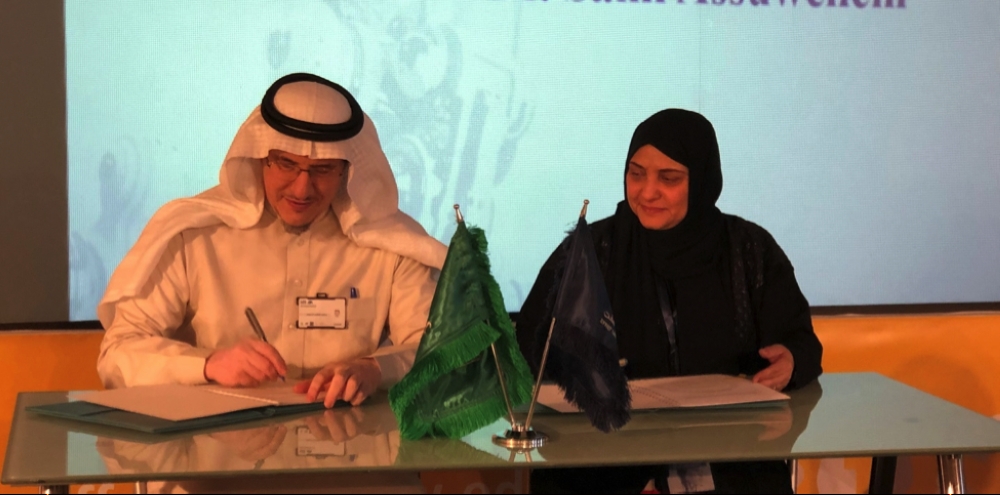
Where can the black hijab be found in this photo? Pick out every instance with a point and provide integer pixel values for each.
(688, 259)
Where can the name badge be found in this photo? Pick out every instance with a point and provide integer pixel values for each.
(322, 312)
(306, 444)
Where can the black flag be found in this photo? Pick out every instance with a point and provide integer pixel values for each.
(583, 356)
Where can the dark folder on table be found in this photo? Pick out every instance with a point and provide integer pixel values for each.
(175, 408)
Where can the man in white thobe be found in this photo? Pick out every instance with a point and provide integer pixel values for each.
(306, 210)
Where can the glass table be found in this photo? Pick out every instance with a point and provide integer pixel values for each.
(841, 415)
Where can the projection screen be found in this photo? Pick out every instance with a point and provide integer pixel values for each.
(862, 134)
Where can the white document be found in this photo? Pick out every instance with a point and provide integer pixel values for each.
(273, 393)
(182, 402)
(678, 392)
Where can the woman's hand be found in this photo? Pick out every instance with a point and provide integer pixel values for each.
(351, 382)
(779, 373)
(776, 423)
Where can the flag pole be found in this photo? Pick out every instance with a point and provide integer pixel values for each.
(522, 437)
(541, 373)
(503, 385)
(496, 359)
(545, 352)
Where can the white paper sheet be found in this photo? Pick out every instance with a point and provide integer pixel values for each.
(181, 402)
(679, 392)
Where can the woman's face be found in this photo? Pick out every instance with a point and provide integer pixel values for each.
(656, 188)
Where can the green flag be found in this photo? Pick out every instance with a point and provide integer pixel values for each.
(453, 388)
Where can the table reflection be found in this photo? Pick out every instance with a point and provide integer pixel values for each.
(368, 437)
(360, 437)
(700, 434)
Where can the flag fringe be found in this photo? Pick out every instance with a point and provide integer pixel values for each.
(608, 414)
(605, 414)
(448, 356)
(483, 414)
(465, 346)
(520, 390)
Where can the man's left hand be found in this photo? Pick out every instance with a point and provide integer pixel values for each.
(351, 382)
(337, 425)
(779, 373)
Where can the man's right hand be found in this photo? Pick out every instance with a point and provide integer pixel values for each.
(247, 364)
(255, 444)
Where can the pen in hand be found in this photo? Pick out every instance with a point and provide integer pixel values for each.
(257, 329)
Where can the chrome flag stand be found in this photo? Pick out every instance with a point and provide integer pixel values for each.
(520, 436)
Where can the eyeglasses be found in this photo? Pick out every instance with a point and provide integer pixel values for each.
(290, 170)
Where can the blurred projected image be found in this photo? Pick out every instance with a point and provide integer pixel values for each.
(864, 138)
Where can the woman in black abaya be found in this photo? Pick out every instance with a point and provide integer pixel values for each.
(694, 291)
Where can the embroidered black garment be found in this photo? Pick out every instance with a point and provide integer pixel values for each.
(731, 290)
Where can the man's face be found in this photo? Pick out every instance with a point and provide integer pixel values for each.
(657, 189)
(300, 188)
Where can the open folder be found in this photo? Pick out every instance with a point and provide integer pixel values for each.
(172, 408)
(699, 391)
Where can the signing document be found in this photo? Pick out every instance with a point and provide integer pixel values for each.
(680, 392)
(171, 408)
(182, 402)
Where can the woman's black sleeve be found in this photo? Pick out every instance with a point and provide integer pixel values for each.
(537, 310)
(783, 316)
